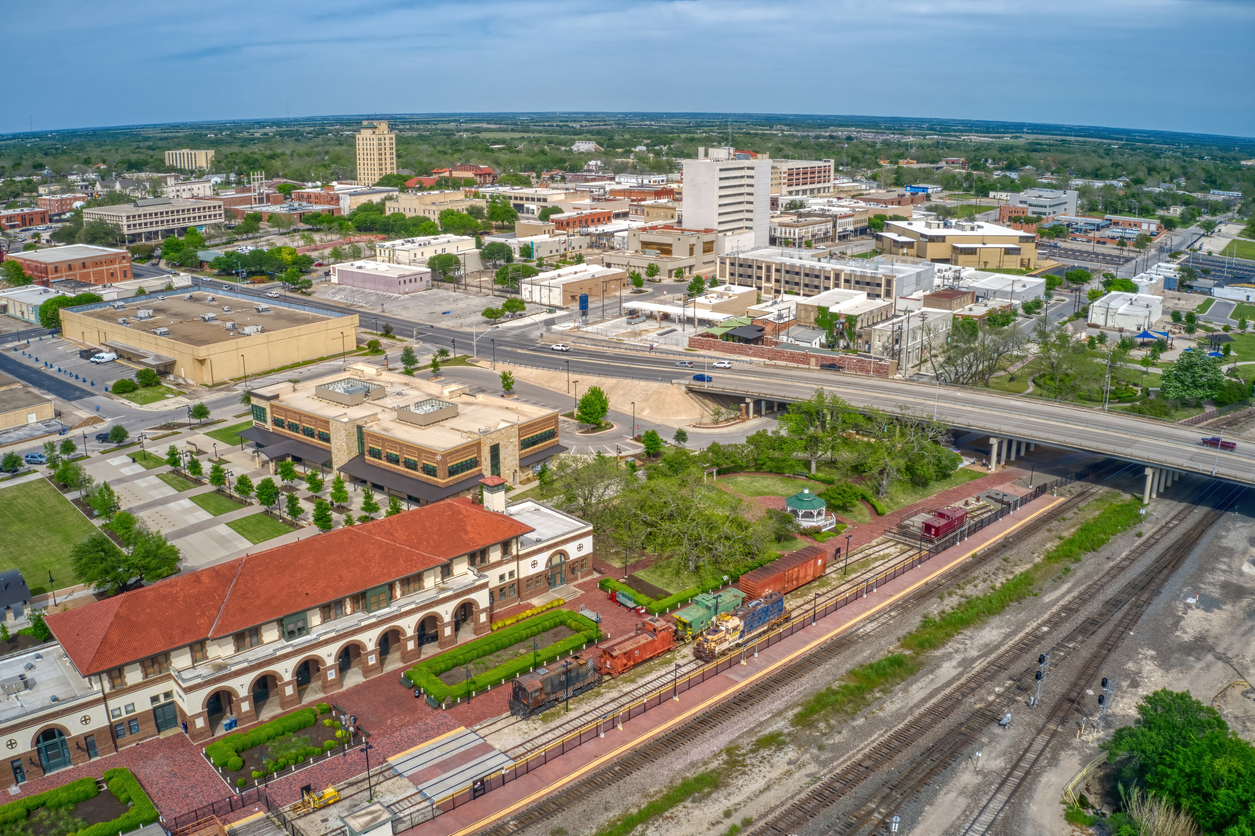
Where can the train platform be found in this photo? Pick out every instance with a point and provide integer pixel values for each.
(618, 740)
(452, 760)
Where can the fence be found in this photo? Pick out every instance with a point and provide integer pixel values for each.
(1216, 413)
(423, 808)
(189, 821)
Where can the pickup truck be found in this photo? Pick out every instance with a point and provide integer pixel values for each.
(1220, 444)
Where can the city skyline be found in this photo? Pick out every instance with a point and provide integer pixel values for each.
(1163, 65)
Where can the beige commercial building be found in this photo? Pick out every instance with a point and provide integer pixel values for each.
(793, 178)
(21, 405)
(531, 201)
(909, 338)
(843, 303)
(412, 252)
(801, 231)
(562, 288)
(208, 338)
(190, 160)
(376, 152)
(965, 243)
(154, 218)
(654, 211)
(431, 204)
(417, 438)
(672, 248)
(805, 273)
(185, 189)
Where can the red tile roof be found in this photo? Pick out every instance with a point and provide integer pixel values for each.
(251, 590)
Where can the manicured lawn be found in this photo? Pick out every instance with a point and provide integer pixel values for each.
(151, 394)
(147, 459)
(258, 527)
(216, 504)
(663, 577)
(1205, 307)
(1002, 383)
(1174, 413)
(230, 435)
(867, 254)
(790, 545)
(176, 481)
(769, 484)
(1239, 248)
(967, 210)
(904, 493)
(40, 527)
(1243, 311)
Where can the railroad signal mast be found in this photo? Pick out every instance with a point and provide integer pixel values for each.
(1043, 668)
(1104, 702)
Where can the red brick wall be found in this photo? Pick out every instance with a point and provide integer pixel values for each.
(847, 362)
(105, 269)
(24, 217)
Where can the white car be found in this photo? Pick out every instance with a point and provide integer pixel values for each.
(272, 295)
(560, 347)
(721, 364)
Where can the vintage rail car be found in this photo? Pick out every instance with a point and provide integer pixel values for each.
(544, 687)
(786, 573)
(943, 522)
(744, 624)
(653, 637)
(691, 620)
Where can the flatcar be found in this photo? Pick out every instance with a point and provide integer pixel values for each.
(943, 522)
(696, 617)
(744, 624)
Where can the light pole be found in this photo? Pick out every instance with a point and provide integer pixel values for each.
(370, 787)
(568, 377)
(494, 354)
(344, 354)
(215, 450)
(1216, 463)
(633, 433)
(244, 365)
(814, 608)
(847, 555)
(675, 683)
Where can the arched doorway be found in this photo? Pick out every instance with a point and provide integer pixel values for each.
(263, 689)
(53, 749)
(389, 642)
(348, 658)
(427, 632)
(219, 704)
(557, 570)
(306, 671)
(464, 613)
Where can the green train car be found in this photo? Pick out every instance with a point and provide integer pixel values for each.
(696, 617)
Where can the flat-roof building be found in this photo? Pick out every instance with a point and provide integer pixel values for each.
(695, 251)
(78, 262)
(208, 338)
(155, 218)
(376, 152)
(189, 160)
(965, 243)
(20, 405)
(790, 178)
(562, 288)
(387, 278)
(1044, 202)
(416, 251)
(23, 218)
(1122, 311)
(806, 273)
(23, 302)
(59, 204)
(731, 194)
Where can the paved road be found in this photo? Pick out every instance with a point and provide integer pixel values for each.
(1220, 312)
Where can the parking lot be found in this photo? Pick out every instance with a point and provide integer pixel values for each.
(437, 306)
(58, 356)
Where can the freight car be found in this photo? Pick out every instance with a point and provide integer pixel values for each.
(747, 622)
(542, 688)
(696, 617)
(653, 637)
(943, 522)
(785, 574)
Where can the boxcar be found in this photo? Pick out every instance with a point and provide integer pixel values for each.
(744, 624)
(653, 637)
(696, 617)
(943, 522)
(786, 573)
(543, 687)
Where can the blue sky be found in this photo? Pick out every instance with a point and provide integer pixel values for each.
(1186, 65)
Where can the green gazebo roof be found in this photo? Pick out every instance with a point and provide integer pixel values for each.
(805, 501)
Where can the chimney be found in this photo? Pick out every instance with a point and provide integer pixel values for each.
(494, 493)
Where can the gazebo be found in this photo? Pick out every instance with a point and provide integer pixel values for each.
(810, 511)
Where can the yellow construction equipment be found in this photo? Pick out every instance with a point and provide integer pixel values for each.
(313, 801)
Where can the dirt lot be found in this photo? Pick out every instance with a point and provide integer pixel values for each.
(1177, 645)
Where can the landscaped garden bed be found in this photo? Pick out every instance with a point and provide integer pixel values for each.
(508, 650)
(679, 599)
(278, 747)
(81, 808)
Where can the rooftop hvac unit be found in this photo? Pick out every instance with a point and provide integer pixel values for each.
(230, 326)
(148, 314)
(226, 309)
(250, 330)
(121, 320)
(209, 299)
(209, 317)
(162, 332)
(262, 308)
(189, 297)
(118, 306)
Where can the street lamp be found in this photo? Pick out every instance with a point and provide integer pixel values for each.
(215, 450)
(568, 377)
(494, 354)
(847, 555)
(343, 351)
(814, 608)
(675, 683)
(632, 434)
(244, 365)
(1216, 463)
(369, 786)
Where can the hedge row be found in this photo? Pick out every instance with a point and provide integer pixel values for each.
(426, 674)
(526, 614)
(64, 796)
(221, 752)
(662, 605)
(126, 787)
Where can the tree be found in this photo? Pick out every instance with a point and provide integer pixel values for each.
(118, 434)
(313, 482)
(971, 352)
(267, 492)
(369, 504)
(294, 506)
(172, 456)
(507, 381)
(697, 286)
(15, 273)
(508, 275)
(818, 424)
(453, 222)
(1193, 376)
(286, 470)
(1094, 294)
(394, 507)
(194, 466)
(322, 515)
(635, 278)
(1078, 275)
(50, 309)
(651, 270)
(593, 406)
(217, 475)
(244, 486)
(1142, 241)
(68, 447)
(514, 306)
(549, 211)
(339, 493)
(434, 366)
(350, 520)
(496, 253)
(585, 486)
(445, 265)
(103, 500)
(493, 314)
(51, 457)
(148, 557)
(681, 436)
(250, 224)
(100, 233)
(652, 442)
(501, 213)
(409, 360)
(68, 473)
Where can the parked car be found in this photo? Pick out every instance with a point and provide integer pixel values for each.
(4, 469)
(560, 347)
(102, 438)
(34, 458)
(721, 364)
(272, 295)
(685, 364)
(702, 378)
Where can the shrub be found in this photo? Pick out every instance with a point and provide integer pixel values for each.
(126, 788)
(235, 764)
(222, 751)
(327, 746)
(256, 775)
(64, 796)
(241, 782)
(514, 619)
(323, 708)
(328, 723)
(125, 386)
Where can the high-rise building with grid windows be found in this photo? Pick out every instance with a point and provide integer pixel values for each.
(376, 152)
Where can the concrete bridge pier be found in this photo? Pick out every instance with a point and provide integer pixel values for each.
(993, 453)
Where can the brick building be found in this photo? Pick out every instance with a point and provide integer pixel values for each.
(481, 174)
(577, 221)
(23, 218)
(59, 204)
(80, 262)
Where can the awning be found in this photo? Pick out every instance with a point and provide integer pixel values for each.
(273, 446)
(747, 332)
(541, 455)
(359, 468)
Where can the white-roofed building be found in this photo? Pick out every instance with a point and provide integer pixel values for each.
(1126, 311)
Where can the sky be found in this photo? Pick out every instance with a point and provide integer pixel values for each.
(1182, 65)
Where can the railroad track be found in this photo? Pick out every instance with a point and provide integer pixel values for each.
(770, 687)
(994, 683)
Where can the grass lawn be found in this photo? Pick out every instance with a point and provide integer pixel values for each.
(790, 545)
(867, 254)
(1205, 307)
(769, 484)
(176, 481)
(258, 527)
(1002, 383)
(216, 504)
(1243, 311)
(967, 210)
(1238, 248)
(902, 494)
(230, 435)
(1174, 414)
(151, 394)
(40, 527)
(147, 459)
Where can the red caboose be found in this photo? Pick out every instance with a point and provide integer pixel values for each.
(943, 522)
(653, 637)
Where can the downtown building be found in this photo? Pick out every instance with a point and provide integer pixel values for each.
(730, 192)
